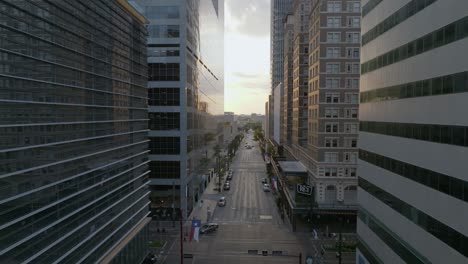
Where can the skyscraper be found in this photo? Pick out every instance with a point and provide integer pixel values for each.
(279, 10)
(186, 97)
(73, 132)
(287, 102)
(334, 40)
(301, 9)
(413, 139)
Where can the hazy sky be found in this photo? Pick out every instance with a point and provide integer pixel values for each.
(247, 55)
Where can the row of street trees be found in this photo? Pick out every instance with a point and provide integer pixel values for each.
(234, 146)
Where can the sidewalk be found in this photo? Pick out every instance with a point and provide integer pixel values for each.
(204, 210)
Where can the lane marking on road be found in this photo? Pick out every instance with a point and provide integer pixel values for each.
(266, 217)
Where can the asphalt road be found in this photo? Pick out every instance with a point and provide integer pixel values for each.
(249, 221)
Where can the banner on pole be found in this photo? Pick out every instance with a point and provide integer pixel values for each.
(195, 230)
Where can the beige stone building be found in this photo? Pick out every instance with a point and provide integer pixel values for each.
(334, 45)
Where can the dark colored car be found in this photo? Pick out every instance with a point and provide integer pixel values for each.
(229, 177)
(264, 180)
(227, 187)
(208, 228)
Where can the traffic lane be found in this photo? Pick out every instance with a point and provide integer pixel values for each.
(245, 259)
(239, 239)
(246, 200)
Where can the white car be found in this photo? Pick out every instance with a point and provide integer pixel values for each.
(222, 202)
(266, 188)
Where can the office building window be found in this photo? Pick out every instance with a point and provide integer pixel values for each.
(351, 128)
(352, 37)
(353, 7)
(332, 97)
(352, 53)
(163, 72)
(453, 83)
(161, 12)
(352, 68)
(333, 37)
(332, 112)
(163, 31)
(351, 112)
(350, 172)
(163, 52)
(333, 52)
(333, 22)
(351, 98)
(331, 142)
(164, 121)
(333, 68)
(164, 169)
(350, 157)
(334, 6)
(332, 83)
(164, 145)
(350, 142)
(352, 83)
(164, 96)
(354, 21)
(443, 36)
(331, 172)
(331, 127)
(331, 156)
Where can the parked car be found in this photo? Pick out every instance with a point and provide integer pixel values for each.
(226, 187)
(229, 177)
(264, 180)
(208, 228)
(222, 201)
(266, 188)
(150, 259)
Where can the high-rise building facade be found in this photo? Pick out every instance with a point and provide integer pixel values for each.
(279, 10)
(186, 93)
(334, 42)
(73, 132)
(413, 139)
(287, 101)
(301, 10)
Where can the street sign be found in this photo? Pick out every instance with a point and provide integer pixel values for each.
(304, 189)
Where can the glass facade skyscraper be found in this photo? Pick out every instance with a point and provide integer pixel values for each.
(73, 130)
(186, 94)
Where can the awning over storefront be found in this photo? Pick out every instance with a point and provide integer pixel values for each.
(292, 167)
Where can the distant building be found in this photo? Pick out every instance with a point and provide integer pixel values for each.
(413, 138)
(230, 128)
(73, 132)
(229, 117)
(277, 114)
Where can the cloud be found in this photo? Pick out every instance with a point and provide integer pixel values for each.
(245, 75)
(247, 17)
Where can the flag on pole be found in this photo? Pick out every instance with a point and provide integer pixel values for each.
(195, 231)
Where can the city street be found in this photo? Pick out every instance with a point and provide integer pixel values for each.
(249, 221)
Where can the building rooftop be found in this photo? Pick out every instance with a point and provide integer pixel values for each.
(292, 166)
